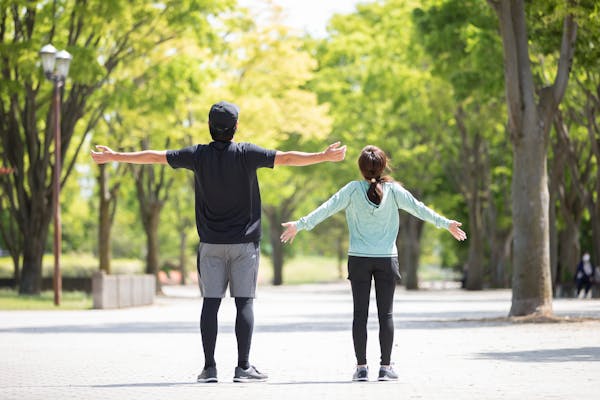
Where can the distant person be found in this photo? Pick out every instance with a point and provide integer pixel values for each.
(371, 208)
(228, 220)
(584, 276)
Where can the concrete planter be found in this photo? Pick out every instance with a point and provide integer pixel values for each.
(120, 291)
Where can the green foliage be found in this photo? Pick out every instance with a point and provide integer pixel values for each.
(461, 37)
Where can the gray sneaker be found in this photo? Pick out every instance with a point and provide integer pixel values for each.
(249, 375)
(361, 374)
(208, 374)
(387, 374)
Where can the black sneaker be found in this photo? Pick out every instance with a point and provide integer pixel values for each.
(361, 374)
(387, 374)
(208, 374)
(249, 375)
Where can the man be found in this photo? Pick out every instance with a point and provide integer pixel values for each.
(228, 212)
(584, 275)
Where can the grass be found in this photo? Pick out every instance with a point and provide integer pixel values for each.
(303, 269)
(10, 300)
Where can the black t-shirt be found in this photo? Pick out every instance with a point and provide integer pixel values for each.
(227, 193)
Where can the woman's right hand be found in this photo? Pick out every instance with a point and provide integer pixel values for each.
(289, 233)
(458, 233)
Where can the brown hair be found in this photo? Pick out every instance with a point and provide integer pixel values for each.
(373, 162)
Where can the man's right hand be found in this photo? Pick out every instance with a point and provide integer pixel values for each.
(334, 152)
(103, 156)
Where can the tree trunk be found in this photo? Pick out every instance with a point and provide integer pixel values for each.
(411, 229)
(499, 259)
(499, 237)
(475, 260)
(104, 222)
(474, 171)
(529, 124)
(595, 220)
(276, 247)
(569, 251)
(152, 191)
(152, 219)
(593, 202)
(31, 277)
(532, 291)
(16, 258)
(182, 258)
(554, 242)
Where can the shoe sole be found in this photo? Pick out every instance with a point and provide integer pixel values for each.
(208, 380)
(387, 379)
(246, 380)
(360, 380)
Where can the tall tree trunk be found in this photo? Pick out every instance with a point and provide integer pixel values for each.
(593, 201)
(473, 173)
(572, 192)
(532, 290)
(152, 190)
(595, 218)
(556, 181)
(104, 221)
(275, 215)
(182, 255)
(554, 241)
(411, 229)
(35, 234)
(569, 251)
(151, 220)
(276, 249)
(476, 244)
(499, 235)
(501, 254)
(529, 124)
(31, 277)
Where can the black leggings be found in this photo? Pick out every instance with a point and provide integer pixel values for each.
(384, 272)
(244, 324)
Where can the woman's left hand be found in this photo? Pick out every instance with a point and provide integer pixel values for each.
(289, 233)
(458, 233)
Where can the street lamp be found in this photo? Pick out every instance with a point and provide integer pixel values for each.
(56, 67)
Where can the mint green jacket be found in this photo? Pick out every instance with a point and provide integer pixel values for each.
(373, 228)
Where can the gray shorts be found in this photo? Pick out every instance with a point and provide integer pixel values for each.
(233, 264)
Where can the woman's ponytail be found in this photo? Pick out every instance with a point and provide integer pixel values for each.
(372, 163)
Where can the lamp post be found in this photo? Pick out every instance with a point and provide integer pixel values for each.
(56, 67)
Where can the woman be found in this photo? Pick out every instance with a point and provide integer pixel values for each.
(372, 215)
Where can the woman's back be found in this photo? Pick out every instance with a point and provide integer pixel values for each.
(373, 228)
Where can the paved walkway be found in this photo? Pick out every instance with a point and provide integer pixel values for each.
(449, 344)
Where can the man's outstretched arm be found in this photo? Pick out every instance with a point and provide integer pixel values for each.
(138, 157)
(297, 158)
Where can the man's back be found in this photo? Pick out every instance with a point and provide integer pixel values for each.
(228, 204)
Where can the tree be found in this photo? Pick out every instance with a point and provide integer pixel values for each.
(102, 36)
(529, 122)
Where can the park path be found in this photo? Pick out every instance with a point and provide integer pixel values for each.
(449, 344)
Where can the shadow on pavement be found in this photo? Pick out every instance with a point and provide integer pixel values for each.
(332, 325)
(142, 385)
(546, 355)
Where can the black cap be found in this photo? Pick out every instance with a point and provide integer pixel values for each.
(223, 116)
